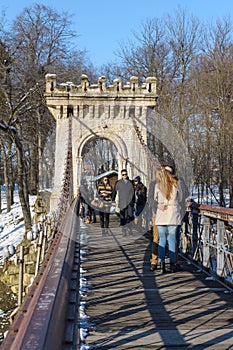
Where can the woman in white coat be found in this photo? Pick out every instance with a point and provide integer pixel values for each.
(168, 195)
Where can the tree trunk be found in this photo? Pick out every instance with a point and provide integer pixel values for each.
(230, 196)
(6, 179)
(11, 173)
(221, 194)
(33, 175)
(40, 165)
(0, 199)
(22, 186)
(12, 189)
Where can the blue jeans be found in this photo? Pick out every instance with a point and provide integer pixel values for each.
(171, 230)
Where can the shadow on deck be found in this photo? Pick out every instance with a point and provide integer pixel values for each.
(130, 307)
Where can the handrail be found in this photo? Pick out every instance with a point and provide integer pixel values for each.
(40, 321)
(46, 298)
(220, 213)
(212, 245)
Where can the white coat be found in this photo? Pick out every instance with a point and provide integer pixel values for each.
(171, 215)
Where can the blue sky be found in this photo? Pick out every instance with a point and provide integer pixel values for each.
(103, 24)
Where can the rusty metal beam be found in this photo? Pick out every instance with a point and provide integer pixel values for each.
(220, 213)
(40, 321)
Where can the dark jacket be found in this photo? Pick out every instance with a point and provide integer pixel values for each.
(140, 194)
(125, 192)
(194, 208)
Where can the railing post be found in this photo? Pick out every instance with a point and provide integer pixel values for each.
(206, 240)
(220, 248)
(21, 264)
(44, 241)
(39, 252)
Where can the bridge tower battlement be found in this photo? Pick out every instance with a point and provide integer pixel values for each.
(100, 111)
(115, 90)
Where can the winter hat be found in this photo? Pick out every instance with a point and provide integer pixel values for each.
(137, 178)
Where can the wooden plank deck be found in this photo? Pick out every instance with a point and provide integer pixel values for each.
(131, 307)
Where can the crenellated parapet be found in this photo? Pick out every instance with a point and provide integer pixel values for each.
(85, 88)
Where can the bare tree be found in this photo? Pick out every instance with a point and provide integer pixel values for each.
(212, 84)
(165, 49)
(194, 84)
(39, 43)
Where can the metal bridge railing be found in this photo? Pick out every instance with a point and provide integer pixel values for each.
(39, 321)
(213, 246)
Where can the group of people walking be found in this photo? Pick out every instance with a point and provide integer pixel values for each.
(130, 196)
(131, 199)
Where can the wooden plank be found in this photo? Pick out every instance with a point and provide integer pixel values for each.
(131, 307)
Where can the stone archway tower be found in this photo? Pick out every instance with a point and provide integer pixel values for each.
(100, 111)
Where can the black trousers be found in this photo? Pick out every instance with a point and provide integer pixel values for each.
(126, 215)
(104, 219)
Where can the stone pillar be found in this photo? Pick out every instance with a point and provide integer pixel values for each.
(106, 111)
(84, 82)
(76, 110)
(50, 81)
(60, 158)
(117, 83)
(102, 84)
(133, 84)
(122, 112)
(138, 110)
(81, 112)
(77, 173)
(121, 164)
(151, 84)
(91, 111)
(112, 110)
(127, 112)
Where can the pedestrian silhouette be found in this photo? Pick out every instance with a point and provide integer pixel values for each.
(125, 190)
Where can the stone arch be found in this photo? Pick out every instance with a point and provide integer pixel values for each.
(114, 138)
(80, 145)
(99, 111)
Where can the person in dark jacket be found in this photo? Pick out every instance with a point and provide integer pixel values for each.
(140, 193)
(79, 205)
(87, 196)
(125, 190)
(105, 193)
(194, 215)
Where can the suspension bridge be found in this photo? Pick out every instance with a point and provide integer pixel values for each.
(98, 292)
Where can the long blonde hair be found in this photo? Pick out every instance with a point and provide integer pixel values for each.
(165, 182)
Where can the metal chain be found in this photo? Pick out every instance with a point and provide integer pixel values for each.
(67, 181)
(145, 148)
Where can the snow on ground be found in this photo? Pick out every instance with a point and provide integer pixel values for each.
(12, 228)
